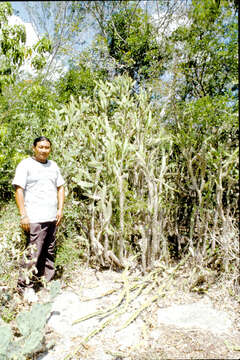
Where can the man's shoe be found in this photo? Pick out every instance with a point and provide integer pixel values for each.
(30, 296)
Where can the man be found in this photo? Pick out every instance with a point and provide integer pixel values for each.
(39, 196)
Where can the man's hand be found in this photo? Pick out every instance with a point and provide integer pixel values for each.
(24, 222)
(25, 225)
(59, 217)
(60, 196)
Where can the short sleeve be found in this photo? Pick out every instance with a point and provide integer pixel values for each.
(20, 178)
(60, 181)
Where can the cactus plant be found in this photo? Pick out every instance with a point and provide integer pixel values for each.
(31, 326)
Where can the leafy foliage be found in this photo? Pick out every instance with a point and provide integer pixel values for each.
(25, 108)
(208, 50)
(132, 42)
(207, 162)
(13, 51)
(12, 39)
(77, 81)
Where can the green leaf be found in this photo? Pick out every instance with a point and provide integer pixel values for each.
(33, 342)
(33, 320)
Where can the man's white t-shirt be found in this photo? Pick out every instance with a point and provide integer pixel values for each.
(40, 182)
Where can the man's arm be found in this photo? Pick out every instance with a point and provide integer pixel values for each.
(19, 195)
(61, 197)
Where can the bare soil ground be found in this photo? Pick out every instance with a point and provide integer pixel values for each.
(125, 321)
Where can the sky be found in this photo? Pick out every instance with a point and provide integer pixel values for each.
(18, 6)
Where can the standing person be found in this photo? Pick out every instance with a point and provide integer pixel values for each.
(39, 194)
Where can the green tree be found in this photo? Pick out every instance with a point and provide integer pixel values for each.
(102, 11)
(208, 50)
(205, 138)
(23, 105)
(12, 49)
(25, 109)
(79, 80)
(132, 42)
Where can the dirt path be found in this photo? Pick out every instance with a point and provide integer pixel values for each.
(177, 325)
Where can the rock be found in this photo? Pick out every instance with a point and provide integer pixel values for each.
(197, 316)
(68, 308)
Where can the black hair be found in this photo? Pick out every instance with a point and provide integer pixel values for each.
(41, 138)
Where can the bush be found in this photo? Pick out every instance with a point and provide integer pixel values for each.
(136, 180)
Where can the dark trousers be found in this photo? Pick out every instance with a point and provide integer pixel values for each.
(40, 253)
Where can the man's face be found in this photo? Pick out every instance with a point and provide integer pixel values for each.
(42, 151)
